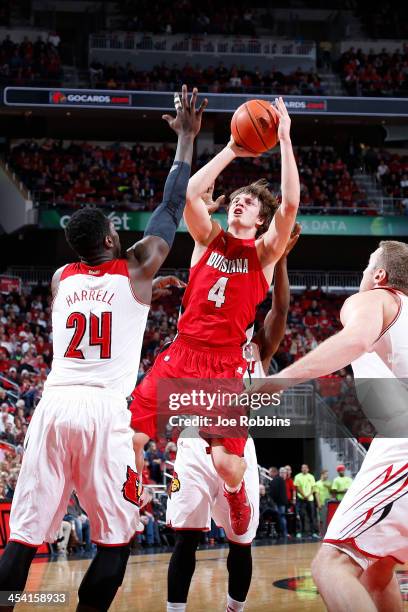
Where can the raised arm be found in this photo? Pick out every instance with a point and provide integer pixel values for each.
(270, 335)
(274, 240)
(201, 227)
(147, 255)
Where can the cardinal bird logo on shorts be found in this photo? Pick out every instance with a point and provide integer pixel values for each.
(175, 484)
(132, 488)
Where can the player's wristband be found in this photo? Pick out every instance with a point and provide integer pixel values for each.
(165, 219)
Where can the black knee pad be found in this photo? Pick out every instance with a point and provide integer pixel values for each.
(239, 564)
(104, 577)
(14, 566)
(182, 565)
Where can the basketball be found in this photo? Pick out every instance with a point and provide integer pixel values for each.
(254, 126)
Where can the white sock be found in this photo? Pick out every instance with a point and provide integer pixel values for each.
(232, 489)
(234, 606)
(176, 607)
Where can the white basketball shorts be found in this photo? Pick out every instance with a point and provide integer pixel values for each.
(371, 521)
(79, 439)
(197, 490)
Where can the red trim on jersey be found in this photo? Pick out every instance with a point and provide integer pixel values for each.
(208, 247)
(188, 528)
(25, 543)
(114, 266)
(240, 543)
(351, 542)
(113, 545)
(397, 294)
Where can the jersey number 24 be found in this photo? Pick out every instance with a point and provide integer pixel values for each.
(99, 330)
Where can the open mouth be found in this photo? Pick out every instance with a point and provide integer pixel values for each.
(238, 210)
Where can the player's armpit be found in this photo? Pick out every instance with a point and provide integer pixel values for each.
(147, 256)
(271, 245)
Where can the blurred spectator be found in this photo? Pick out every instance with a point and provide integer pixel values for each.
(277, 492)
(155, 458)
(290, 486)
(75, 515)
(341, 483)
(305, 489)
(323, 490)
(63, 537)
(268, 513)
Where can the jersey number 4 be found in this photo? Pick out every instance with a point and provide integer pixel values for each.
(217, 292)
(99, 329)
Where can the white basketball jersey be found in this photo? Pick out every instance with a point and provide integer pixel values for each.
(389, 357)
(253, 356)
(98, 326)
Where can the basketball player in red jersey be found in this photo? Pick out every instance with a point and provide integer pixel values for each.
(80, 436)
(368, 535)
(197, 490)
(230, 274)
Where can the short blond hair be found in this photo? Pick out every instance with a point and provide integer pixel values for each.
(393, 257)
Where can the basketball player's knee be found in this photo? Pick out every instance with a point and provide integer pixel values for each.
(331, 562)
(229, 466)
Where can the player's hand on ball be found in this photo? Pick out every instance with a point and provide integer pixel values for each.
(284, 120)
(240, 151)
(207, 198)
(188, 118)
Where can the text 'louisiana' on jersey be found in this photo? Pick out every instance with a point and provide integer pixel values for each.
(98, 326)
(224, 289)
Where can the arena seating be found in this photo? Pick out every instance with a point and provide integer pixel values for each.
(29, 63)
(213, 79)
(184, 16)
(132, 178)
(374, 74)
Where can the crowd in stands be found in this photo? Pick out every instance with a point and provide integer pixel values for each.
(375, 74)
(391, 171)
(130, 177)
(29, 62)
(212, 79)
(208, 17)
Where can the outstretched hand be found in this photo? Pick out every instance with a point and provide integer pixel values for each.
(188, 118)
(207, 198)
(161, 286)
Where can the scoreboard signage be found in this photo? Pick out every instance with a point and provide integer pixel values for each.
(32, 97)
(85, 98)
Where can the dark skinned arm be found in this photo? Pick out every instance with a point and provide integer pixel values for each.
(269, 337)
(147, 256)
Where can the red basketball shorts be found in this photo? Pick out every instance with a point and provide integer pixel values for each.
(188, 359)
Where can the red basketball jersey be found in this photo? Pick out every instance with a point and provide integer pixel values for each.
(223, 292)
